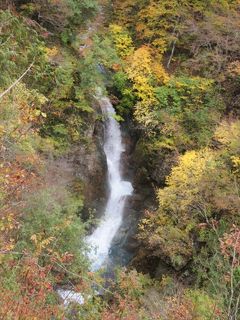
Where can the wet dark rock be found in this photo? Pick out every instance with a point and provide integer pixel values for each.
(91, 166)
(125, 244)
(162, 268)
(162, 168)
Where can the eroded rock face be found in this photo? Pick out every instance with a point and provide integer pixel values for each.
(148, 172)
(91, 167)
(125, 245)
(153, 166)
(162, 167)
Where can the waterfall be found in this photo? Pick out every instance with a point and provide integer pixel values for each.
(100, 240)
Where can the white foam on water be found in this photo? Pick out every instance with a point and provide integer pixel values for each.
(69, 296)
(100, 240)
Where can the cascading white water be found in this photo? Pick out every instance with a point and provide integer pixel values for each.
(101, 239)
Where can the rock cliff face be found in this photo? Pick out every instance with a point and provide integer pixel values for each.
(125, 245)
(90, 165)
(84, 169)
(90, 170)
(146, 176)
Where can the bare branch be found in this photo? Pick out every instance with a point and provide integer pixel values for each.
(17, 81)
(172, 53)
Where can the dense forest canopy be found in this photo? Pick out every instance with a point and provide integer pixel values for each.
(172, 71)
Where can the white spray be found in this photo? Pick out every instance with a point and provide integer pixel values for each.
(101, 239)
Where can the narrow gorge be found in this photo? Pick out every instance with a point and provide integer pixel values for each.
(119, 160)
(101, 239)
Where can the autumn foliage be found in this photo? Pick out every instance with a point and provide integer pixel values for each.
(172, 71)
